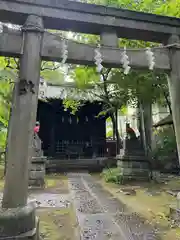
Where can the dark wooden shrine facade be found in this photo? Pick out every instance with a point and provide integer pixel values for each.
(67, 136)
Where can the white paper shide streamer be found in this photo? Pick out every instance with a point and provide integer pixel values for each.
(150, 58)
(98, 59)
(125, 62)
(64, 51)
(42, 88)
(65, 56)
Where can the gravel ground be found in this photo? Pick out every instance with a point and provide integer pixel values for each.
(103, 217)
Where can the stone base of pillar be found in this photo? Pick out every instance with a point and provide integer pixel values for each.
(133, 163)
(37, 172)
(19, 223)
(134, 169)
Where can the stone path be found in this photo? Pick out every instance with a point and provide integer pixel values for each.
(103, 217)
(48, 200)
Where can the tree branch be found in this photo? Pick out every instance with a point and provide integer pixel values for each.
(8, 65)
(17, 63)
(167, 101)
(43, 67)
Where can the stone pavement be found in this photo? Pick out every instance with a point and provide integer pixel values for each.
(48, 200)
(103, 217)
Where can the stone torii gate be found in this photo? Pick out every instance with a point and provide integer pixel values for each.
(32, 44)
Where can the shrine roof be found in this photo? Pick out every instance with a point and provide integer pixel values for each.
(70, 91)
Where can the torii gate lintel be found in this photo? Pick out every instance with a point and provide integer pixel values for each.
(11, 43)
(91, 19)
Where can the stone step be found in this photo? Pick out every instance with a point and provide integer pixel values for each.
(76, 164)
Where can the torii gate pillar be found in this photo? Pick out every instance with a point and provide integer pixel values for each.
(18, 219)
(174, 86)
(23, 115)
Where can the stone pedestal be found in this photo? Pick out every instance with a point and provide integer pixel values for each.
(37, 169)
(19, 223)
(133, 163)
(37, 172)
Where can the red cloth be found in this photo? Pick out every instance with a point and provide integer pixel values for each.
(36, 129)
(130, 130)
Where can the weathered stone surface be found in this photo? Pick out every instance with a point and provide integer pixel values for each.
(36, 183)
(39, 160)
(37, 174)
(113, 221)
(11, 43)
(94, 222)
(132, 162)
(80, 164)
(91, 19)
(37, 169)
(49, 200)
(17, 221)
(22, 119)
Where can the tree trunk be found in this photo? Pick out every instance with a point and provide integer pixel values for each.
(147, 126)
(167, 102)
(115, 130)
(142, 130)
(139, 124)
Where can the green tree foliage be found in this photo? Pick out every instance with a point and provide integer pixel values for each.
(52, 72)
(165, 142)
(137, 83)
(72, 105)
(144, 85)
(8, 71)
(112, 175)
